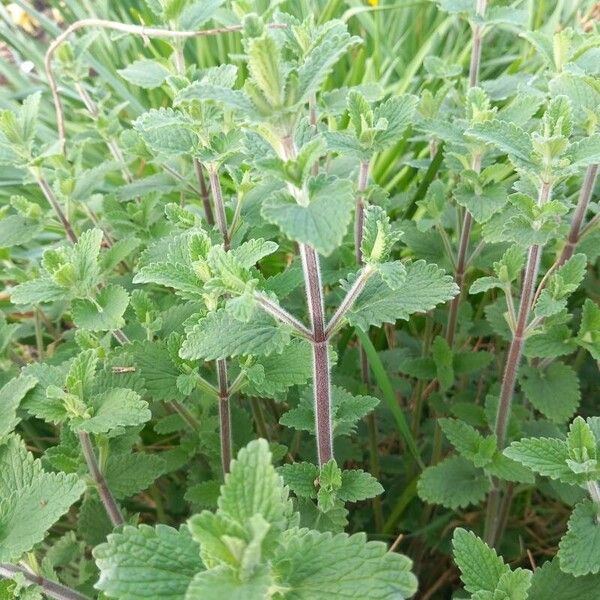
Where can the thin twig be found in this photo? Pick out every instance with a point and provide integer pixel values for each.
(282, 315)
(53, 589)
(141, 30)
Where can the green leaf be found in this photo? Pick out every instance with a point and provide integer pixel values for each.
(507, 137)
(104, 313)
(196, 14)
(469, 442)
(320, 61)
(131, 473)
(264, 65)
(453, 483)
(301, 478)
(176, 275)
(166, 131)
(220, 335)
(16, 230)
(481, 202)
(585, 152)
(545, 456)
(11, 395)
(554, 391)
(221, 94)
(85, 259)
(142, 562)
(397, 113)
(442, 357)
(480, 567)
(589, 331)
(145, 73)
(322, 565)
(579, 548)
(550, 582)
(346, 411)
(293, 366)
(222, 582)
(426, 285)
(31, 501)
(358, 485)
(113, 409)
(323, 222)
(253, 487)
(379, 236)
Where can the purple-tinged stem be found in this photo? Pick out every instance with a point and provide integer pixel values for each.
(215, 186)
(208, 213)
(52, 589)
(583, 203)
(54, 203)
(110, 505)
(224, 415)
(320, 349)
(511, 368)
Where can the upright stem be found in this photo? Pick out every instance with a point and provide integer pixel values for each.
(215, 186)
(204, 192)
(110, 504)
(511, 368)
(224, 415)
(585, 196)
(52, 589)
(320, 349)
(467, 224)
(53, 201)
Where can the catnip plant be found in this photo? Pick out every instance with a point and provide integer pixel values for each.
(297, 308)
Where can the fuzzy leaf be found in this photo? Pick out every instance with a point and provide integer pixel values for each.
(166, 131)
(553, 391)
(546, 456)
(220, 335)
(142, 562)
(579, 549)
(11, 395)
(31, 501)
(105, 314)
(358, 485)
(480, 567)
(453, 483)
(425, 286)
(321, 224)
(145, 73)
(507, 137)
(550, 582)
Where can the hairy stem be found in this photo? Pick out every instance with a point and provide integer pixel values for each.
(320, 350)
(185, 414)
(54, 203)
(477, 36)
(511, 368)
(52, 589)
(215, 186)
(575, 231)
(271, 307)
(224, 415)
(110, 505)
(208, 213)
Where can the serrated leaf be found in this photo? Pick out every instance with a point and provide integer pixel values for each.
(453, 483)
(145, 73)
(554, 391)
(118, 407)
(589, 330)
(550, 582)
(398, 113)
(221, 94)
(322, 565)
(264, 65)
(220, 335)
(546, 456)
(130, 473)
(426, 285)
(481, 203)
(166, 131)
(142, 562)
(346, 410)
(11, 395)
(104, 313)
(358, 485)
(301, 478)
(222, 582)
(179, 276)
(443, 359)
(579, 548)
(31, 501)
(196, 14)
(585, 152)
(469, 442)
(480, 567)
(507, 137)
(322, 223)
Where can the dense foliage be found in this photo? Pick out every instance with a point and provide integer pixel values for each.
(301, 300)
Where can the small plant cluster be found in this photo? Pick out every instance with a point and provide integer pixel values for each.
(270, 294)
